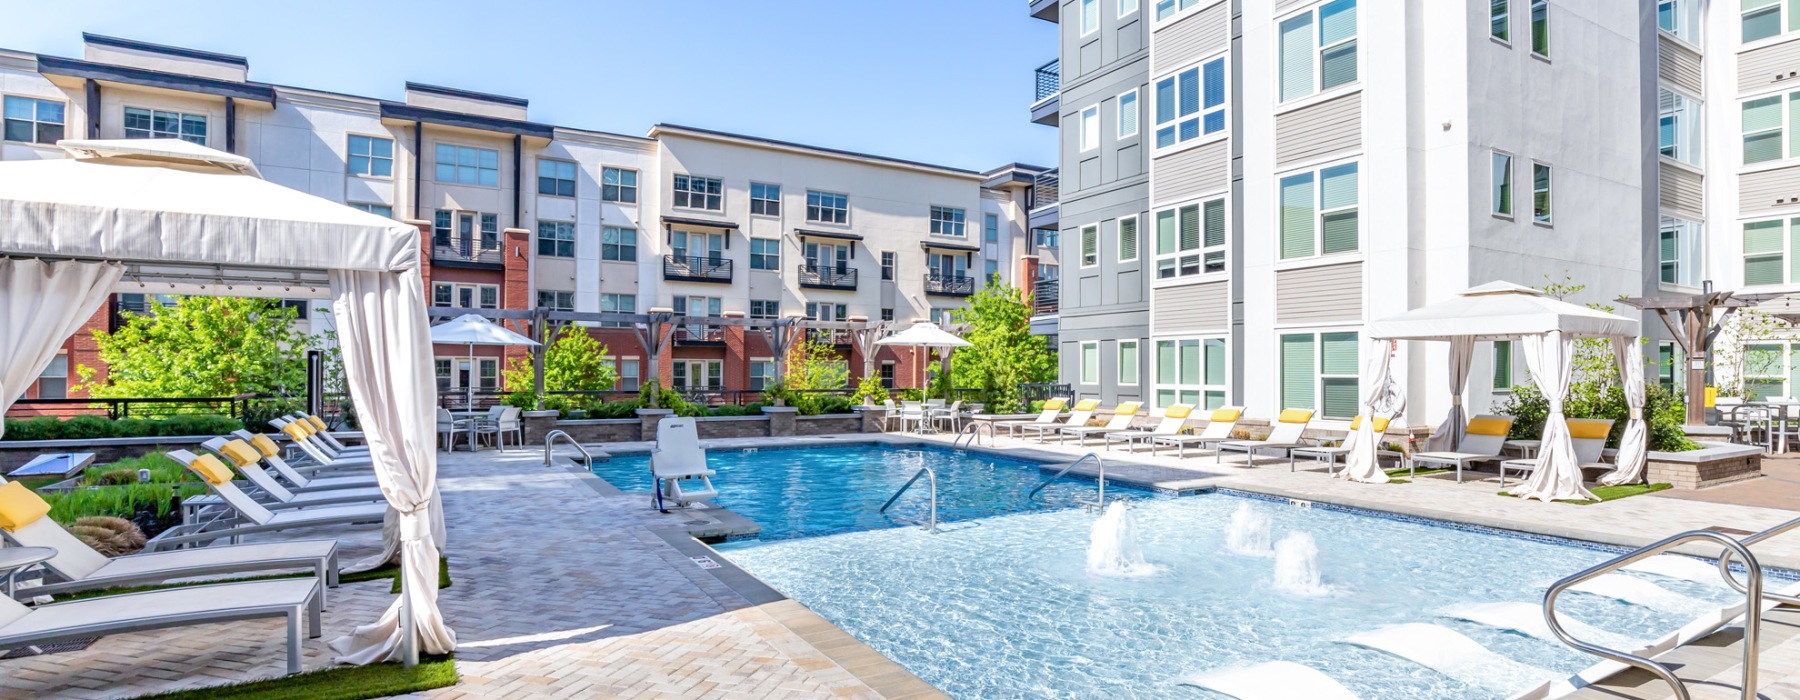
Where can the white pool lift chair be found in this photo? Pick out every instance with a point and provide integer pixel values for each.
(678, 465)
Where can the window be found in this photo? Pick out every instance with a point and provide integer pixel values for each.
(1127, 7)
(887, 314)
(556, 178)
(1540, 27)
(556, 301)
(1090, 361)
(53, 382)
(698, 306)
(371, 156)
(376, 209)
(1767, 368)
(1090, 16)
(1090, 246)
(1047, 237)
(618, 244)
(556, 239)
(887, 373)
(1128, 363)
(946, 221)
(1500, 19)
(465, 296)
(1190, 371)
(302, 308)
(468, 166)
(765, 200)
(938, 317)
(1762, 126)
(1540, 193)
(618, 185)
(33, 121)
(1667, 365)
(762, 373)
(1128, 238)
(1322, 219)
(1767, 252)
(1090, 128)
(1680, 251)
(684, 244)
(1503, 365)
(1679, 17)
(990, 228)
(816, 311)
(1191, 104)
(618, 304)
(1320, 372)
(1678, 126)
(1762, 19)
(627, 367)
(699, 192)
(827, 208)
(765, 254)
(156, 124)
(887, 264)
(1190, 239)
(1502, 184)
(991, 272)
(1128, 114)
(765, 308)
(454, 373)
(1308, 67)
(1167, 8)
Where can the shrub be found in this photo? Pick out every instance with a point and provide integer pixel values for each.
(198, 425)
(119, 501)
(912, 394)
(108, 535)
(614, 409)
(163, 470)
(99, 427)
(1035, 406)
(1665, 413)
(728, 410)
(870, 388)
(86, 428)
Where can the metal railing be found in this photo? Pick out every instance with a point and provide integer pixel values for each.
(830, 336)
(1046, 188)
(923, 471)
(952, 285)
(1101, 504)
(1046, 296)
(972, 431)
(697, 269)
(1049, 80)
(1043, 391)
(550, 440)
(1726, 556)
(698, 334)
(472, 249)
(827, 276)
(240, 408)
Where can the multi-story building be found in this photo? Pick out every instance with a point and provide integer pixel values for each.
(1246, 183)
(525, 214)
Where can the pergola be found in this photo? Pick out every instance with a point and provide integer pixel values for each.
(1693, 320)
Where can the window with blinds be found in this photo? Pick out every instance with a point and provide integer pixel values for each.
(1128, 363)
(1189, 371)
(1680, 250)
(1090, 246)
(1320, 212)
(1090, 362)
(1500, 19)
(1190, 239)
(1762, 124)
(1298, 375)
(1128, 238)
(1762, 19)
(1190, 103)
(1768, 367)
(1319, 371)
(1765, 248)
(1317, 49)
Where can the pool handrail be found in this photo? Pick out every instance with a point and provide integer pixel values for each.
(1726, 556)
(923, 471)
(550, 439)
(1752, 609)
(1098, 462)
(972, 430)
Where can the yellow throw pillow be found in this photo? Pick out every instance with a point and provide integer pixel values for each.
(1129, 408)
(1489, 426)
(210, 469)
(316, 423)
(1087, 404)
(1226, 415)
(294, 431)
(1178, 411)
(263, 444)
(240, 453)
(1296, 415)
(20, 507)
(1589, 429)
(1055, 404)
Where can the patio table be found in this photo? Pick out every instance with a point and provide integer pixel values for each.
(1527, 448)
(17, 559)
(1778, 415)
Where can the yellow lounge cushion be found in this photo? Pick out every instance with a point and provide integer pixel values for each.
(1129, 408)
(1179, 410)
(294, 431)
(263, 444)
(1087, 404)
(1381, 424)
(20, 507)
(1589, 429)
(1296, 415)
(240, 453)
(316, 422)
(1489, 426)
(210, 469)
(1056, 404)
(1226, 415)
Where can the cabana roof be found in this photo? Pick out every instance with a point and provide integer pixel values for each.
(1499, 311)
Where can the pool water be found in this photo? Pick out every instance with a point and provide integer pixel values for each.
(818, 491)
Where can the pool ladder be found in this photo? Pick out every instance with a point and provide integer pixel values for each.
(923, 471)
(1101, 504)
(972, 431)
(550, 439)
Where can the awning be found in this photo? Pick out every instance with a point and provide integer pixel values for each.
(698, 222)
(842, 236)
(941, 245)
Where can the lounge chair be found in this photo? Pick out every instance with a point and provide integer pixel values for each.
(678, 465)
(1330, 455)
(247, 459)
(305, 478)
(242, 515)
(1052, 409)
(1174, 417)
(1121, 419)
(295, 599)
(1482, 442)
(1078, 416)
(1589, 436)
(324, 433)
(1218, 429)
(301, 433)
(1284, 435)
(316, 434)
(24, 522)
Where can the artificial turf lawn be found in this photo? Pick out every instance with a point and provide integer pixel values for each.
(1612, 493)
(387, 572)
(337, 683)
(1398, 476)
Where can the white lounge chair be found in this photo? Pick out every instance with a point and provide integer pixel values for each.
(1121, 419)
(300, 434)
(1482, 441)
(1589, 436)
(240, 454)
(25, 522)
(1218, 429)
(242, 515)
(295, 599)
(1330, 455)
(1052, 408)
(303, 478)
(1174, 418)
(316, 434)
(324, 433)
(678, 465)
(1079, 415)
(1285, 434)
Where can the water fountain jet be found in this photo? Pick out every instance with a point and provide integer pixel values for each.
(1113, 548)
(1248, 533)
(1297, 565)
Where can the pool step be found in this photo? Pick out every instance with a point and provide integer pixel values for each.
(1275, 680)
(1528, 619)
(1634, 590)
(1451, 653)
(1711, 662)
(1679, 567)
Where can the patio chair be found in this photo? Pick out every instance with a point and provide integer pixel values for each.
(1330, 455)
(449, 427)
(1078, 416)
(502, 421)
(678, 465)
(302, 478)
(242, 515)
(1482, 441)
(1286, 434)
(24, 522)
(247, 459)
(890, 417)
(1122, 416)
(296, 599)
(951, 415)
(912, 413)
(1052, 408)
(1218, 429)
(1589, 436)
(1174, 418)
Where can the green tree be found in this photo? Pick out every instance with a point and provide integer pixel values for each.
(815, 364)
(575, 361)
(202, 346)
(1005, 354)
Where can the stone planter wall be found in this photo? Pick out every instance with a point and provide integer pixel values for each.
(828, 425)
(1718, 463)
(775, 421)
(15, 453)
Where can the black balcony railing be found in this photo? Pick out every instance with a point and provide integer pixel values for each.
(676, 267)
(827, 276)
(1046, 189)
(1049, 80)
(829, 336)
(949, 285)
(696, 335)
(469, 250)
(1044, 296)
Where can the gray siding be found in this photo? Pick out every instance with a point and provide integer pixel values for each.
(1769, 189)
(1769, 66)
(1193, 171)
(1180, 43)
(1319, 294)
(1190, 308)
(1285, 5)
(1679, 65)
(1333, 126)
(1681, 191)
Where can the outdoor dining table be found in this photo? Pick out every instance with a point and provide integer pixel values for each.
(474, 419)
(1778, 417)
(1527, 448)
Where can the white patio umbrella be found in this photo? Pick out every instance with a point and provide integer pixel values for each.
(925, 334)
(473, 330)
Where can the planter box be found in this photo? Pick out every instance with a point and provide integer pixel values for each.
(1717, 463)
(15, 453)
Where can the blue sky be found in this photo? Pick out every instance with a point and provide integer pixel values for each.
(942, 81)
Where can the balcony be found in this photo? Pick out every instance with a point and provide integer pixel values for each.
(467, 252)
(1044, 296)
(698, 335)
(827, 277)
(696, 269)
(1046, 191)
(1046, 10)
(1047, 105)
(829, 336)
(949, 285)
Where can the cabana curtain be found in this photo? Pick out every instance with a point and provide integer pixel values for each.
(1384, 400)
(41, 305)
(1450, 434)
(1634, 444)
(1548, 357)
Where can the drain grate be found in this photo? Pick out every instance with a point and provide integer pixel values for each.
(705, 562)
(52, 648)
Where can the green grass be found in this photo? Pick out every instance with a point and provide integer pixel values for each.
(385, 572)
(390, 571)
(1398, 476)
(1612, 493)
(339, 683)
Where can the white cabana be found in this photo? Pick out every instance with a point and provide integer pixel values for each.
(925, 334)
(472, 330)
(169, 217)
(1547, 328)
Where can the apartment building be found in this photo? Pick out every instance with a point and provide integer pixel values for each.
(525, 214)
(1245, 183)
